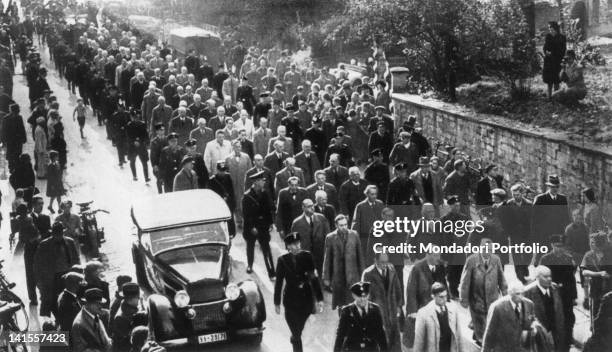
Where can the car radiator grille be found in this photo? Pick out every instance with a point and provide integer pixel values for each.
(209, 316)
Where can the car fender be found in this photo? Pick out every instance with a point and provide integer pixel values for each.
(253, 308)
(162, 318)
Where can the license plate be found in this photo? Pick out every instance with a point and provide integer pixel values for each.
(210, 338)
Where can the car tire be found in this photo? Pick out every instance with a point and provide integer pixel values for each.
(254, 339)
(141, 276)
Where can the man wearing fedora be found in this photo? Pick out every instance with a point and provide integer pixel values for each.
(186, 179)
(302, 289)
(551, 212)
(427, 184)
(138, 139)
(361, 325)
(405, 151)
(377, 172)
(199, 166)
(88, 331)
(401, 194)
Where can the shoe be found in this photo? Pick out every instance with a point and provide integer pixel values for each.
(249, 270)
(147, 180)
(51, 210)
(272, 277)
(135, 178)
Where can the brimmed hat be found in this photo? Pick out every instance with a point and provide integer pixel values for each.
(376, 152)
(94, 295)
(130, 289)
(361, 288)
(553, 181)
(452, 200)
(380, 107)
(423, 161)
(557, 239)
(186, 159)
(173, 135)
(191, 142)
(292, 238)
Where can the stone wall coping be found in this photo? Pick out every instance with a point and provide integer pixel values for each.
(503, 123)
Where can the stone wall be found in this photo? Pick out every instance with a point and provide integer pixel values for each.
(523, 152)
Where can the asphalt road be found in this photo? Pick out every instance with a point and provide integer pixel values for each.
(93, 174)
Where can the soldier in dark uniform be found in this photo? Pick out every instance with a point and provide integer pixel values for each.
(110, 104)
(455, 260)
(377, 173)
(316, 136)
(292, 125)
(199, 167)
(128, 316)
(302, 287)
(262, 108)
(257, 210)
(401, 194)
(118, 123)
(138, 139)
(170, 161)
(158, 143)
(361, 326)
(222, 184)
(245, 95)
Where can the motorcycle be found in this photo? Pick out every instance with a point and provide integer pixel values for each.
(92, 236)
(13, 315)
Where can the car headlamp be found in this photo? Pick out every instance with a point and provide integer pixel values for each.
(181, 299)
(232, 292)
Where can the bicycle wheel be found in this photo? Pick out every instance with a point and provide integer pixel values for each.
(21, 320)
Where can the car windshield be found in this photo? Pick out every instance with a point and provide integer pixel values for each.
(195, 263)
(163, 240)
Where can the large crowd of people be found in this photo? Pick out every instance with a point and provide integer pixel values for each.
(276, 142)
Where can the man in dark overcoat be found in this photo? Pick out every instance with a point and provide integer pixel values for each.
(550, 212)
(289, 205)
(13, 135)
(351, 192)
(312, 228)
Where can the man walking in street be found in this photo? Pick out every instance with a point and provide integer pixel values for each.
(386, 292)
(170, 161)
(437, 324)
(257, 208)
(297, 270)
(343, 262)
(88, 330)
(361, 323)
(312, 228)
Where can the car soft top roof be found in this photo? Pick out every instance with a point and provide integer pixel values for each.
(178, 208)
(186, 32)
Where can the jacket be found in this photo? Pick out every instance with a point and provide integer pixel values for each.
(312, 240)
(481, 287)
(185, 180)
(343, 264)
(427, 331)
(504, 329)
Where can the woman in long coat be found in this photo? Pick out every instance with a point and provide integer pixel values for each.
(554, 51)
(40, 148)
(55, 186)
(238, 163)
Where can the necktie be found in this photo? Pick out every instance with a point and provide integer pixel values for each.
(97, 327)
(517, 312)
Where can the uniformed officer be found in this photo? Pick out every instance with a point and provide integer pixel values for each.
(158, 143)
(170, 161)
(377, 172)
(118, 122)
(302, 288)
(221, 183)
(361, 326)
(138, 139)
(257, 209)
(129, 315)
(199, 167)
(455, 260)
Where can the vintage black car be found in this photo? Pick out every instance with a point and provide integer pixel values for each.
(182, 256)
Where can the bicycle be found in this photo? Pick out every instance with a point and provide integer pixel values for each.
(13, 315)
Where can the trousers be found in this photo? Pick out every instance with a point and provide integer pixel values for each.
(265, 249)
(296, 319)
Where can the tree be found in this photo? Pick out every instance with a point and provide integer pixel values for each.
(448, 42)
